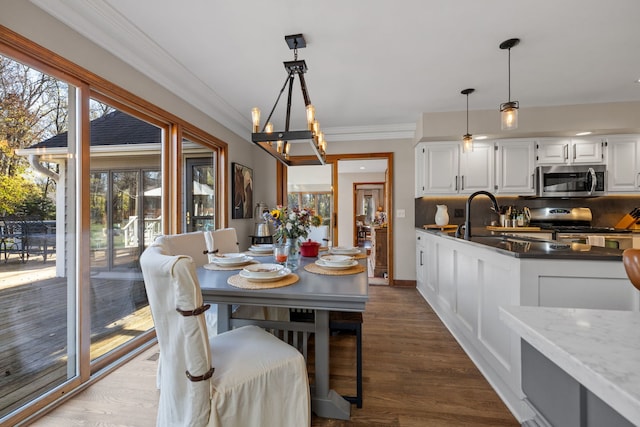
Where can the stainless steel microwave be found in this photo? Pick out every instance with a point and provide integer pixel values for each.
(571, 181)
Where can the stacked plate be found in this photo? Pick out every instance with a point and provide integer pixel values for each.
(231, 259)
(264, 272)
(345, 250)
(336, 262)
(265, 248)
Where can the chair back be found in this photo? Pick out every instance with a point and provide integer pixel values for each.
(172, 284)
(192, 244)
(225, 240)
(319, 234)
(631, 261)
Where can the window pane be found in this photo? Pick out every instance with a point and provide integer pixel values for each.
(37, 223)
(126, 216)
(200, 186)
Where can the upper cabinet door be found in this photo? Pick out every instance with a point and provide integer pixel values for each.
(623, 163)
(566, 151)
(441, 168)
(476, 168)
(553, 151)
(587, 150)
(515, 167)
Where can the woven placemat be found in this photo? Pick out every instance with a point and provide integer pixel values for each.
(315, 268)
(216, 267)
(241, 282)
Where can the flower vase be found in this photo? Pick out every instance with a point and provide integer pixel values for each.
(293, 259)
(442, 215)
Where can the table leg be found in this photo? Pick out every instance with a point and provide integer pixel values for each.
(326, 402)
(224, 316)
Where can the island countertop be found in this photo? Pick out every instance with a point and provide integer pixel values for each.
(599, 348)
(527, 247)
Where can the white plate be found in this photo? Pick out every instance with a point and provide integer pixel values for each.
(265, 248)
(281, 274)
(344, 250)
(262, 270)
(227, 263)
(336, 259)
(228, 258)
(323, 264)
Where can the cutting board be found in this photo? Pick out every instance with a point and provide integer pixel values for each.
(494, 228)
(440, 227)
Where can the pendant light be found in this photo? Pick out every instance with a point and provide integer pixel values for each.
(509, 110)
(467, 138)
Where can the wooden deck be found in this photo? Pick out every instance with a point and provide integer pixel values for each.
(34, 328)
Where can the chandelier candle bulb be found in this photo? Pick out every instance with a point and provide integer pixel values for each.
(269, 128)
(311, 115)
(255, 117)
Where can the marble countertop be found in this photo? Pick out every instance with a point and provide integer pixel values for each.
(599, 348)
(530, 247)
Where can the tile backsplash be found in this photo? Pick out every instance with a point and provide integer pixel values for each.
(607, 210)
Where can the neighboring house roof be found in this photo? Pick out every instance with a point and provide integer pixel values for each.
(116, 128)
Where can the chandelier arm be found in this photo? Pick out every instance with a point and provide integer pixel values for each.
(288, 116)
(277, 100)
(303, 86)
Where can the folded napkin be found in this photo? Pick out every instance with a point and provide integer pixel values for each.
(596, 240)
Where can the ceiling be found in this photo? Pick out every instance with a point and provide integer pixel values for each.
(374, 65)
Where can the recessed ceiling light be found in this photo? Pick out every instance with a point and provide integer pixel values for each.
(583, 133)
(362, 168)
(481, 137)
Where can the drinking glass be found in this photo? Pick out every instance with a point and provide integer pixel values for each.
(280, 253)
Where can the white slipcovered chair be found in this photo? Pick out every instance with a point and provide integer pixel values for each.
(224, 240)
(244, 377)
(319, 234)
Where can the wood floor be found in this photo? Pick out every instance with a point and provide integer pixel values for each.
(415, 374)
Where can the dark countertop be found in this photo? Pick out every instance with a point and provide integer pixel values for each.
(524, 247)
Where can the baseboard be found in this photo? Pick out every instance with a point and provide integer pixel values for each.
(404, 283)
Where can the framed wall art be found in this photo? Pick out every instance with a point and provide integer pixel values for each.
(242, 190)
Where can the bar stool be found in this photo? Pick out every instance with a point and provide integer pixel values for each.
(631, 261)
(350, 323)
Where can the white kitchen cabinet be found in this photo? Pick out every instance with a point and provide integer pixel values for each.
(623, 163)
(476, 168)
(442, 168)
(566, 151)
(515, 167)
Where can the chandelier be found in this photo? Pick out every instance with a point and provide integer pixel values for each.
(278, 143)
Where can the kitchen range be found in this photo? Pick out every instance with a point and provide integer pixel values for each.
(573, 225)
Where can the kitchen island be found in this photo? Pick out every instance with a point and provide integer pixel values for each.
(466, 283)
(580, 367)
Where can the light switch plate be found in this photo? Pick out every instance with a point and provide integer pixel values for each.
(400, 213)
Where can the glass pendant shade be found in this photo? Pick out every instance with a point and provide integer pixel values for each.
(467, 143)
(509, 116)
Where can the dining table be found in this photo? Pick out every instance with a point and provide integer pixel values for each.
(318, 292)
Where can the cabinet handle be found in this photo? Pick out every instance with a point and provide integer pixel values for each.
(456, 182)
(565, 150)
(574, 152)
(462, 183)
(533, 180)
(637, 175)
(421, 258)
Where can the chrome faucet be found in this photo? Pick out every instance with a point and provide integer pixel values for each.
(467, 216)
